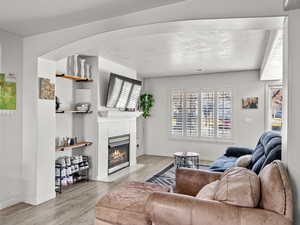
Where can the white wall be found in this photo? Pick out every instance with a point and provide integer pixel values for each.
(248, 124)
(292, 138)
(140, 127)
(45, 156)
(64, 91)
(38, 138)
(11, 125)
(64, 121)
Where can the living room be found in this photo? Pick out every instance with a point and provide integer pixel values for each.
(217, 75)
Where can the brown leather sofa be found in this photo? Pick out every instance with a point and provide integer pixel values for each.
(151, 204)
(183, 208)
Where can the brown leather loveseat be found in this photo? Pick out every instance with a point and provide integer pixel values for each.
(183, 208)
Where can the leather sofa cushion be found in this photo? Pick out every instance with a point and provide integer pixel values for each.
(126, 204)
(240, 187)
(275, 189)
(208, 191)
(243, 161)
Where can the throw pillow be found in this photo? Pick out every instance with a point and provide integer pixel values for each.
(239, 186)
(208, 191)
(243, 161)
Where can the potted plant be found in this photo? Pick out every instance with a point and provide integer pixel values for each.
(146, 103)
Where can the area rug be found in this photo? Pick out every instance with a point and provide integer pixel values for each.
(167, 176)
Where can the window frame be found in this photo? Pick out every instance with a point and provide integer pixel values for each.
(215, 139)
(268, 111)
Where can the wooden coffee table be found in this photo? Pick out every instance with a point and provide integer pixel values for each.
(187, 160)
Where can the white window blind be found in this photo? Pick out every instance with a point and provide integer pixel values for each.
(207, 108)
(224, 114)
(191, 114)
(177, 114)
(206, 114)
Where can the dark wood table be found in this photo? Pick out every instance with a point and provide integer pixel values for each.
(187, 160)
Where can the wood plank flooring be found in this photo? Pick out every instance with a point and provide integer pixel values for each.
(76, 205)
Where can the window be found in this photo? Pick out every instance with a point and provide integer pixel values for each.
(204, 114)
(275, 108)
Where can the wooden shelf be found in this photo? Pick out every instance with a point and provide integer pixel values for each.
(79, 145)
(71, 77)
(79, 112)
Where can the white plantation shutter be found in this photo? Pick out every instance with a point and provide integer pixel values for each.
(191, 114)
(224, 114)
(177, 126)
(206, 114)
(208, 121)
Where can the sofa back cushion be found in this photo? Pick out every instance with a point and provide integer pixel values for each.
(208, 191)
(239, 186)
(267, 150)
(276, 192)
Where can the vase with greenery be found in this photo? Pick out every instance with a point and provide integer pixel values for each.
(146, 103)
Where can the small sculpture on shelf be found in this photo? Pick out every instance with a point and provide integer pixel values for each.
(57, 103)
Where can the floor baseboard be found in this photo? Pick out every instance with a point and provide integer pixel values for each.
(10, 202)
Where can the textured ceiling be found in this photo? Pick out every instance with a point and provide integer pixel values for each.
(182, 48)
(30, 17)
(189, 52)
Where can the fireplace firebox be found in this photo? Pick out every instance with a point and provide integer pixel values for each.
(118, 153)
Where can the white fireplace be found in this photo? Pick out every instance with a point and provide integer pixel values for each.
(114, 125)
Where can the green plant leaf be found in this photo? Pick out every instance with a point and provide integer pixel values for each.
(146, 103)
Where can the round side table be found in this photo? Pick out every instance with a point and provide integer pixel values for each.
(187, 160)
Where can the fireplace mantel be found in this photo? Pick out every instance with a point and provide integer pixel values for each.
(115, 115)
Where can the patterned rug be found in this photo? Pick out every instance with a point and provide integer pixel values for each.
(168, 176)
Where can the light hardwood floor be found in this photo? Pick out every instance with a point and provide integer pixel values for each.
(76, 205)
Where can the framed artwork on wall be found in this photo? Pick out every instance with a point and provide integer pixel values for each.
(47, 89)
(8, 91)
(250, 103)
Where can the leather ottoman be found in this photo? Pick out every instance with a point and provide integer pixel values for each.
(126, 205)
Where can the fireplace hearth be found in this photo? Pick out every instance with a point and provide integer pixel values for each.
(118, 153)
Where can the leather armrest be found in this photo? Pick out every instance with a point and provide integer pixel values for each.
(175, 209)
(238, 151)
(190, 181)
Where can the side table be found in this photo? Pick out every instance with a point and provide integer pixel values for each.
(187, 160)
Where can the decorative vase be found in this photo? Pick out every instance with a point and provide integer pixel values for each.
(88, 71)
(82, 68)
(76, 65)
(70, 65)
